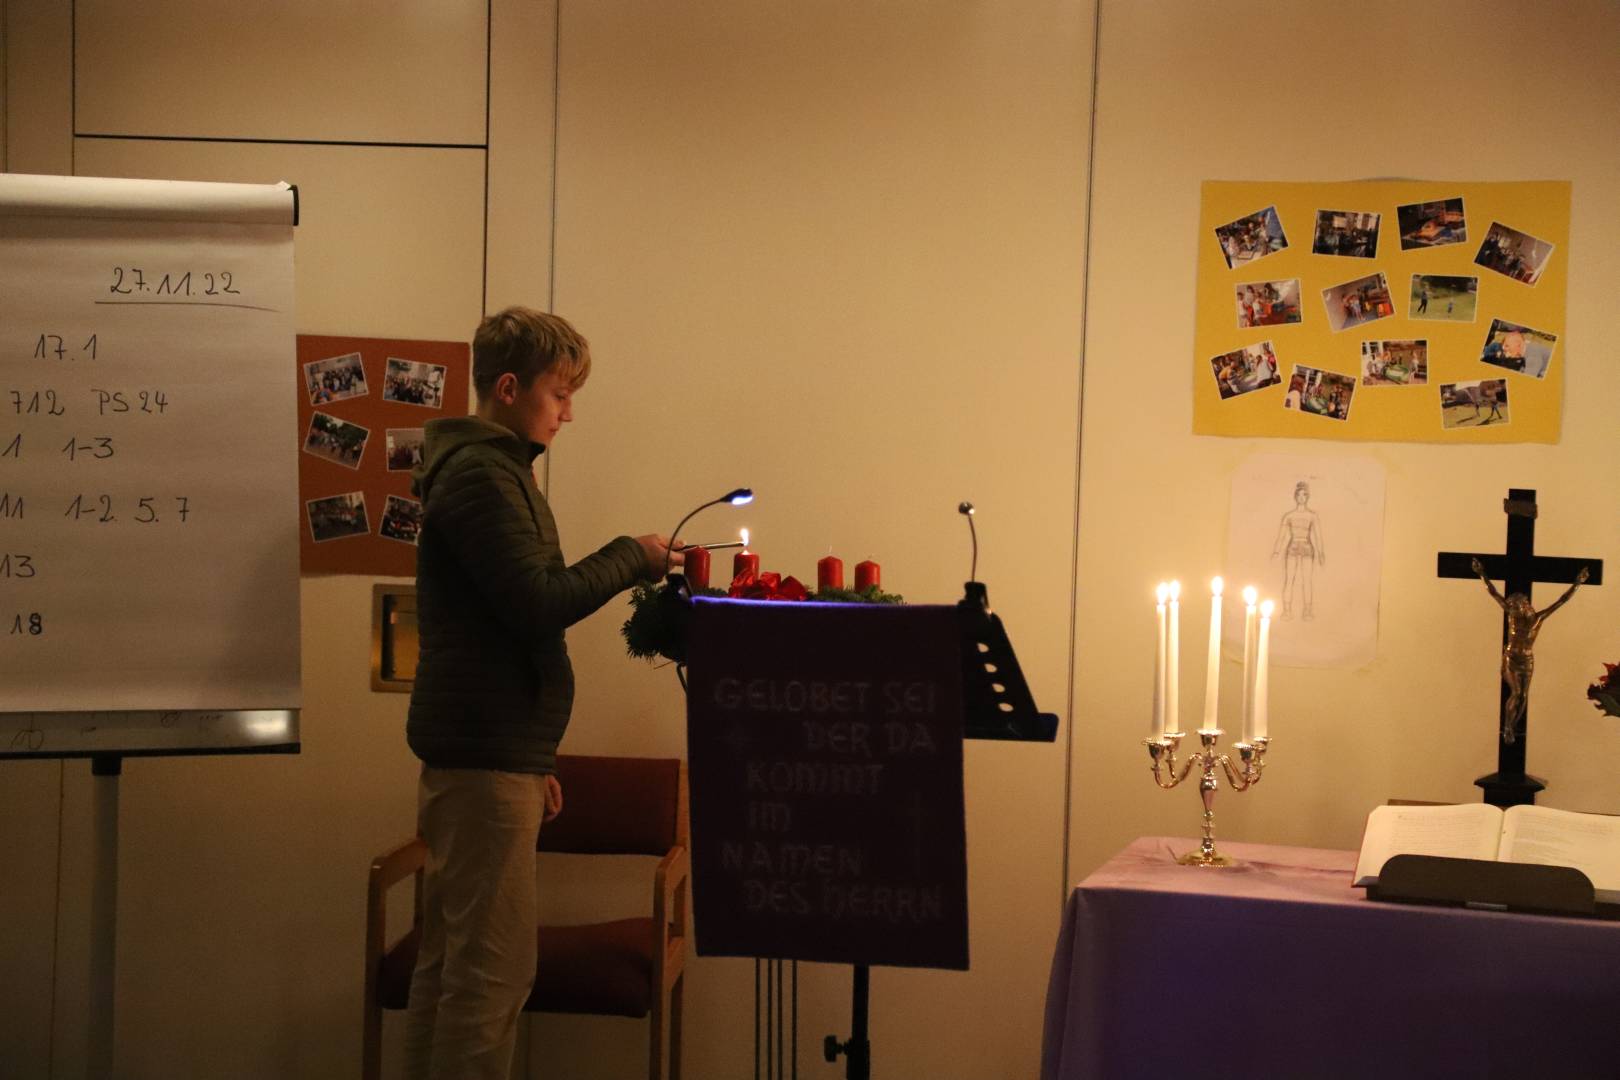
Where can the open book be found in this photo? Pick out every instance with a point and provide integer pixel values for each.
(1521, 834)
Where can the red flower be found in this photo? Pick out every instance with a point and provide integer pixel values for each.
(1605, 693)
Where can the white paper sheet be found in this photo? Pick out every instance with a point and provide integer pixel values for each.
(1308, 532)
(148, 484)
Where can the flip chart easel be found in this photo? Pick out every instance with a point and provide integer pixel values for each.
(148, 492)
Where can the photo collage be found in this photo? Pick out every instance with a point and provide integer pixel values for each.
(363, 409)
(407, 383)
(1351, 290)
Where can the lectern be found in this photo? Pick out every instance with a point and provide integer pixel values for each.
(825, 749)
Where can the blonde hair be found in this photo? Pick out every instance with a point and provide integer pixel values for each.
(528, 344)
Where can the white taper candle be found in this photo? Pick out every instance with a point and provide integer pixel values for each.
(1250, 596)
(1172, 679)
(1212, 683)
(1158, 667)
(1262, 668)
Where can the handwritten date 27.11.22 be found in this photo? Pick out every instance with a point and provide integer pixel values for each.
(133, 280)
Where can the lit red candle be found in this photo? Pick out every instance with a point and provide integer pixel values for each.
(830, 573)
(744, 561)
(697, 567)
(868, 575)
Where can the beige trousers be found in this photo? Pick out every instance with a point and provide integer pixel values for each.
(480, 909)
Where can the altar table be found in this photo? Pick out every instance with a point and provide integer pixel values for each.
(1279, 968)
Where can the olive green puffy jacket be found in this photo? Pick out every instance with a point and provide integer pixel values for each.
(494, 686)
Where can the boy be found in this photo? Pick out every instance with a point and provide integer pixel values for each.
(494, 686)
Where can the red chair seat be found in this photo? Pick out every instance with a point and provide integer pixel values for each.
(627, 967)
(599, 968)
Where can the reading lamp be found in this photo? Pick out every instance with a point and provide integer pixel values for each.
(738, 497)
(966, 510)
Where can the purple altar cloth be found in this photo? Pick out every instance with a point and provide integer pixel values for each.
(1279, 968)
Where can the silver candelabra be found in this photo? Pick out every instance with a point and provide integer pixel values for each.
(1166, 774)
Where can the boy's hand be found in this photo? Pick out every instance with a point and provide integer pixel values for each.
(553, 797)
(656, 549)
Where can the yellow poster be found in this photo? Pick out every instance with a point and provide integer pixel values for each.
(1394, 310)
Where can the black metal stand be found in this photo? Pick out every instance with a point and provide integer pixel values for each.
(781, 1043)
(996, 704)
(996, 700)
(857, 1049)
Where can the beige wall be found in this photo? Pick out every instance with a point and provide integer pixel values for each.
(837, 252)
(240, 877)
(873, 221)
(1485, 91)
(836, 257)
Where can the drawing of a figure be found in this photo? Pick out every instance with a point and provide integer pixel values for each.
(1299, 541)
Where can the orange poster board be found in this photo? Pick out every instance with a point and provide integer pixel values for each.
(362, 405)
(1387, 310)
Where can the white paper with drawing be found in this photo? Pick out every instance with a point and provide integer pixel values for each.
(1308, 532)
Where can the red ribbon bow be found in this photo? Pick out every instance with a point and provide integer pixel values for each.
(767, 586)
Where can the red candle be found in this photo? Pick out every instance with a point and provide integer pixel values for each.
(830, 573)
(744, 562)
(697, 567)
(868, 575)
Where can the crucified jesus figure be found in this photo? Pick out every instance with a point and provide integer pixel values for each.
(1518, 661)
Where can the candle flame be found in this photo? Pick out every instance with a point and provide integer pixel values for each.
(1216, 586)
(1250, 595)
(744, 533)
(1175, 591)
(1162, 591)
(1266, 609)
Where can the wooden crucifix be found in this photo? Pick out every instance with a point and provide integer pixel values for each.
(1519, 569)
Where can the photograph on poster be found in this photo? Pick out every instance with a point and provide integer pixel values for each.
(1443, 298)
(335, 378)
(1474, 404)
(1320, 393)
(401, 520)
(1364, 300)
(404, 448)
(1253, 367)
(336, 440)
(1251, 237)
(337, 516)
(1267, 303)
(1519, 348)
(1346, 232)
(1309, 533)
(414, 383)
(1431, 224)
(1514, 254)
(1394, 363)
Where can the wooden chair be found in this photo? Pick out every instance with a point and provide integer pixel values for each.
(627, 967)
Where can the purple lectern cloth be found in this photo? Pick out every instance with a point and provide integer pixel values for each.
(1279, 968)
